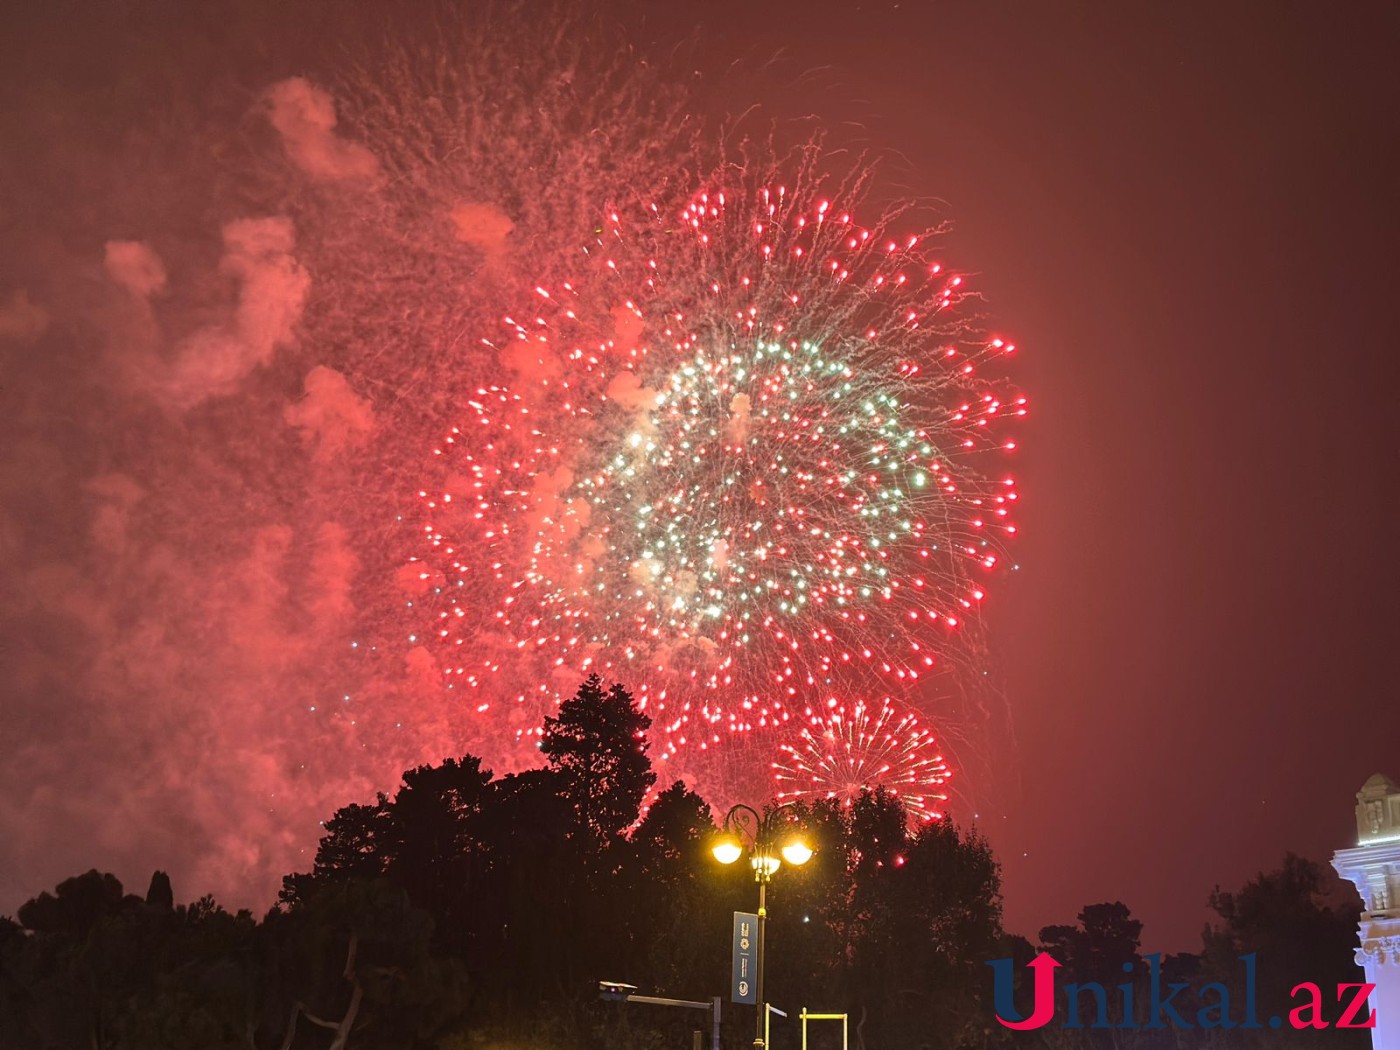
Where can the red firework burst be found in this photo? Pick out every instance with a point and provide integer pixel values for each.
(851, 748)
(748, 457)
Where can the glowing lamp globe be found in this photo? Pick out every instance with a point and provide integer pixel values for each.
(765, 864)
(727, 849)
(797, 852)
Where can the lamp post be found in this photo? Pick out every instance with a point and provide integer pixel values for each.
(766, 856)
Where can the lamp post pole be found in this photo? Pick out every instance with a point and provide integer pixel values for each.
(762, 1015)
(761, 830)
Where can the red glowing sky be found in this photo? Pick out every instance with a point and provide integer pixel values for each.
(1183, 214)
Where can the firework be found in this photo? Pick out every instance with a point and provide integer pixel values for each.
(496, 131)
(750, 455)
(844, 750)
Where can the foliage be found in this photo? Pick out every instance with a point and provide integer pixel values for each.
(598, 743)
(470, 911)
(1300, 921)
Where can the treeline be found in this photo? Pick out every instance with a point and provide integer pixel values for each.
(1284, 933)
(472, 911)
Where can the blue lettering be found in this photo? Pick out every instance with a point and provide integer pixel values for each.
(1072, 1004)
(1003, 988)
(1223, 1007)
(1161, 1007)
(1251, 1007)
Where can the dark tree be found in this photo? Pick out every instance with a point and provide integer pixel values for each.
(356, 958)
(536, 899)
(671, 837)
(1300, 921)
(75, 907)
(160, 894)
(675, 920)
(888, 921)
(435, 851)
(598, 742)
(1106, 940)
(467, 908)
(357, 842)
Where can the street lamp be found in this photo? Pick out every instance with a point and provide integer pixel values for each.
(766, 856)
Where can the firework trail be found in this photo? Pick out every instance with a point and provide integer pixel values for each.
(844, 750)
(750, 455)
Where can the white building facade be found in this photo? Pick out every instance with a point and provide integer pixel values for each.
(1373, 865)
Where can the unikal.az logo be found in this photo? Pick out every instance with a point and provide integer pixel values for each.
(1162, 1009)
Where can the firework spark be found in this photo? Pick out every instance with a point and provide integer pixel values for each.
(846, 750)
(749, 456)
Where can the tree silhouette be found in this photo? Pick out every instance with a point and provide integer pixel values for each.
(598, 742)
(467, 907)
(1300, 921)
(160, 894)
(1105, 941)
(675, 920)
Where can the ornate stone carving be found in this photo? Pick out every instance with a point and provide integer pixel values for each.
(1373, 867)
(1378, 951)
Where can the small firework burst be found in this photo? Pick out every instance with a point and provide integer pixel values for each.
(847, 749)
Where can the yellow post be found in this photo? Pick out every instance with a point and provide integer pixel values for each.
(826, 1017)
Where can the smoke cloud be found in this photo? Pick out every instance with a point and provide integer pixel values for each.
(304, 116)
(231, 341)
(272, 289)
(136, 267)
(329, 416)
(486, 227)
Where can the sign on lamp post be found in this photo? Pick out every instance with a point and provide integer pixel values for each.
(744, 959)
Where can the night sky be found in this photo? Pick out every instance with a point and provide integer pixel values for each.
(1185, 214)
